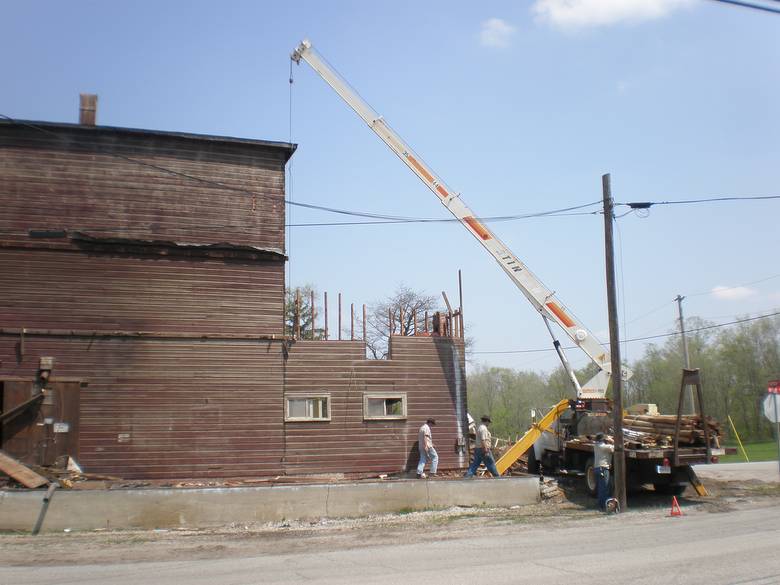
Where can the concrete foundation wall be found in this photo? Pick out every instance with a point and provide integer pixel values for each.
(167, 508)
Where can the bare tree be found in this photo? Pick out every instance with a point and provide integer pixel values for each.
(397, 312)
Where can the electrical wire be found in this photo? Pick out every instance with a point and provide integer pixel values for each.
(379, 216)
(750, 5)
(647, 204)
(635, 339)
(218, 183)
(709, 292)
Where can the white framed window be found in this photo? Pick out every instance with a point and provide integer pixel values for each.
(384, 406)
(307, 407)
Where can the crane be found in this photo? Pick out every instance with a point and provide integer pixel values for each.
(541, 298)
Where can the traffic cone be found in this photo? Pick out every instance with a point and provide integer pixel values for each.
(676, 511)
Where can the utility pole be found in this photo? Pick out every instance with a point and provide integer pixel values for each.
(687, 356)
(614, 347)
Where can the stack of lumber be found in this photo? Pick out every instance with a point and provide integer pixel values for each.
(658, 430)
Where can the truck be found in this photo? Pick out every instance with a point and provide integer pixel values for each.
(557, 443)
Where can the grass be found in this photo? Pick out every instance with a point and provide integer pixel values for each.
(766, 451)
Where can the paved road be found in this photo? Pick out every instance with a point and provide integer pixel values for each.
(767, 471)
(650, 548)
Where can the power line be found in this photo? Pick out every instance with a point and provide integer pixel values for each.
(647, 204)
(750, 5)
(553, 213)
(672, 334)
(217, 183)
(709, 292)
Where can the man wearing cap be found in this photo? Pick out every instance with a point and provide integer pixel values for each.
(602, 456)
(427, 451)
(482, 452)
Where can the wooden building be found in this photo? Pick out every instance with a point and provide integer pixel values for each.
(142, 285)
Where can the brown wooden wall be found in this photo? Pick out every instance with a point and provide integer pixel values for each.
(167, 409)
(181, 349)
(157, 409)
(45, 289)
(430, 370)
(79, 178)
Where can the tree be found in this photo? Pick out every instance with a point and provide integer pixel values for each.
(306, 316)
(403, 305)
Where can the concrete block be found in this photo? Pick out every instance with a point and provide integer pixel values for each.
(174, 508)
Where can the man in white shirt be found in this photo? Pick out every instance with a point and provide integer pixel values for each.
(482, 450)
(427, 450)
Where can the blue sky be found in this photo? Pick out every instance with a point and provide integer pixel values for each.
(521, 106)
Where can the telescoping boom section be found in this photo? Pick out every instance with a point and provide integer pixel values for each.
(542, 298)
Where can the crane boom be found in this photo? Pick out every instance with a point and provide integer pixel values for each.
(542, 298)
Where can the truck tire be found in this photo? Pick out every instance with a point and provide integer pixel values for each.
(533, 462)
(669, 489)
(590, 478)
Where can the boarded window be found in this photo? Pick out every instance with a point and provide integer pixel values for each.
(384, 406)
(307, 407)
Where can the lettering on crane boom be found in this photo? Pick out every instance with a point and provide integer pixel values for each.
(509, 260)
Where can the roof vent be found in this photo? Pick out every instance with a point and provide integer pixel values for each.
(87, 109)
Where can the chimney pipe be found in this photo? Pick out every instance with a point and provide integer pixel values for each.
(87, 109)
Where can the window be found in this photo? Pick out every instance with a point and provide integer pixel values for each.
(384, 406)
(306, 407)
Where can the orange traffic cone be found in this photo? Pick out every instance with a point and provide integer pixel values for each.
(675, 508)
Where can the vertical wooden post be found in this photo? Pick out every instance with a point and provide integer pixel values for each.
(364, 324)
(313, 314)
(390, 323)
(425, 323)
(402, 322)
(414, 320)
(352, 321)
(339, 316)
(297, 313)
(326, 315)
(614, 347)
(460, 302)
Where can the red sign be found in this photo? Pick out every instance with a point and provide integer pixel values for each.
(773, 387)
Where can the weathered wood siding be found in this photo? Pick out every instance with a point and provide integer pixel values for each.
(45, 289)
(114, 182)
(429, 370)
(166, 409)
(177, 345)
(182, 348)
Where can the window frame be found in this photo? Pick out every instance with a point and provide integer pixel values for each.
(385, 396)
(308, 396)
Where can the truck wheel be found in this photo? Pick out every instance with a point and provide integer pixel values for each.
(668, 489)
(590, 478)
(533, 462)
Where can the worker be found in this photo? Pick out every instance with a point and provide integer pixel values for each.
(482, 450)
(427, 450)
(602, 457)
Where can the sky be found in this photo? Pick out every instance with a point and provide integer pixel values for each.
(520, 106)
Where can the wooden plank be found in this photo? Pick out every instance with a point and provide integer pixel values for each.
(21, 473)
